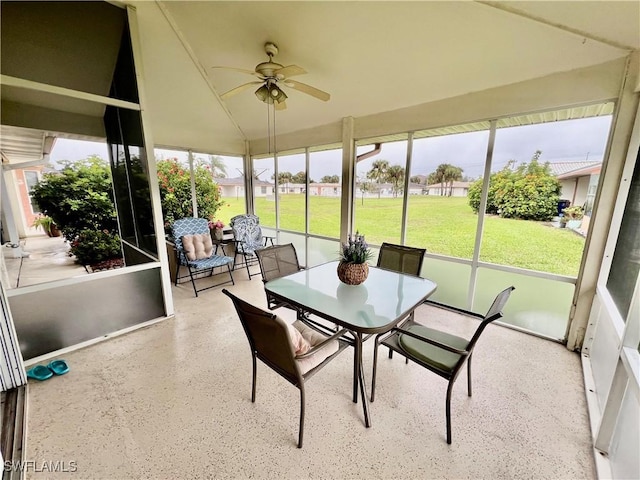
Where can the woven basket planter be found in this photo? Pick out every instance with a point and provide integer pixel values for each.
(353, 273)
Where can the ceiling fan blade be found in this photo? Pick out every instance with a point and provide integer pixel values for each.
(241, 70)
(280, 105)
(238, 89)
(289, 71)
(308, 89)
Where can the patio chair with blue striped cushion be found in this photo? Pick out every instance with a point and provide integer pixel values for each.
(195, 251)
(247, 239)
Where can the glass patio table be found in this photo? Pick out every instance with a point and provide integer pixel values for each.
(374, 306)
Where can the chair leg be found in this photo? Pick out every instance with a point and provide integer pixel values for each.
(253, 383)
(448, 410)
(235, 257)
(230, 274)
(246, 264)
(301, 433)
(193, 282)
(469, 376)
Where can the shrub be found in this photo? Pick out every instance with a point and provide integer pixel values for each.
(175, 192)
(530, 192)
(79, 197)
(93, 246)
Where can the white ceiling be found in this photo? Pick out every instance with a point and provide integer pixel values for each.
(370, 56)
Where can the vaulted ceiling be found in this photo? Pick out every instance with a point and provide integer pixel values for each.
(371, 57)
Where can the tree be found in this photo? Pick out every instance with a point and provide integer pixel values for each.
(175, 192)
(451, 174)
(378, 172)
(283, 178)
(79, 197)
(416, 179)
(365, 186)
(440, 176)
(218, 167)
(395, 175)
(300, 177)
(528, 192)
(330, 179)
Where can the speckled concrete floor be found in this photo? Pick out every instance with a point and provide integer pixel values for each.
(173, 401)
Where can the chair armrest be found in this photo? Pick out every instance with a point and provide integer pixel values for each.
(461, 311)
(432, 342)
(323, 344)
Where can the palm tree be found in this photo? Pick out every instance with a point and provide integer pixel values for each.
(395, 175)
(218, 168)
(451, 174)
(439, 176)
(378, 172)
(284, 178)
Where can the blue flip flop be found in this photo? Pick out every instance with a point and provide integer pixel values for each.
(39, 372)
(59, 367)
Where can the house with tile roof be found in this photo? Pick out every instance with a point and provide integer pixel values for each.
(578, 181)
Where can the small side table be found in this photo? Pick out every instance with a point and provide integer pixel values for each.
(227, 239)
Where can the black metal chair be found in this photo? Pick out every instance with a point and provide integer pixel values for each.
(401, 259)
(247, 239)
(442, 353)
(280, 260)
(275, 262)
(279, 346)
(195, 251)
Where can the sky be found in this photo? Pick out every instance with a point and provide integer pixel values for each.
(571, 140)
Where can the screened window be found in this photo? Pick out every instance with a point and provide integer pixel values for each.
(379, 191)
(526, 223)
(31, 179)
(626, 259)
(442, 169)
(325, 189)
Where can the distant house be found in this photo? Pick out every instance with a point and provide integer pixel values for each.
(292, 188)
(459, 189)
(386, 190)
(578, 184)
(234, 187)
(578, 181)
(325, 189)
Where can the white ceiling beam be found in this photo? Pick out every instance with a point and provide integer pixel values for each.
(66, 92)
(566, 28)
(198, 65)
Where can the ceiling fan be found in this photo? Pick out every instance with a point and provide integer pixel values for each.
(272, 77)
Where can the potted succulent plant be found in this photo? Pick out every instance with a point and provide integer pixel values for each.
(353, 268)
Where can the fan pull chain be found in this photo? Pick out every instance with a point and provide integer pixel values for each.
(268, 129)
(275, 148)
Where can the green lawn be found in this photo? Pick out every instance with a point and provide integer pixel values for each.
(440, 224)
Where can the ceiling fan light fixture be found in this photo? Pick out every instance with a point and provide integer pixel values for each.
(263, 94)
(270, 94)
(277, 94)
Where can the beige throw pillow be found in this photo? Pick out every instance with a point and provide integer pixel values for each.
(197, 246)
(300, 345)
